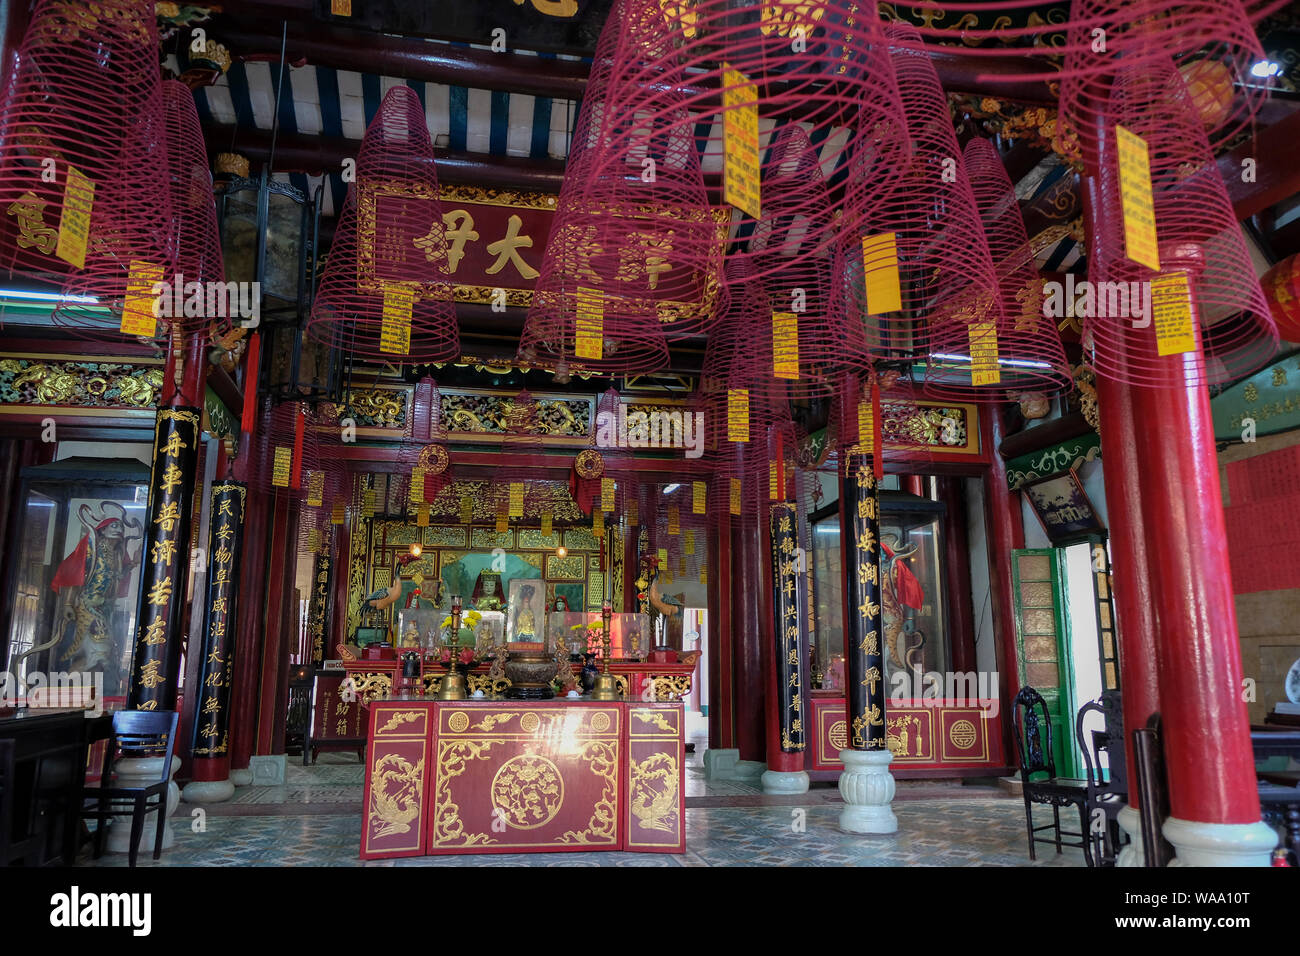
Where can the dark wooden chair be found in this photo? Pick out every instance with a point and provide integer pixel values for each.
(1152, 788)
(1106, 788)
(1034, 741)
(13, 846)
(136, 733)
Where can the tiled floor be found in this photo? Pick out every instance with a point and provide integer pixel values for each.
(315, 820)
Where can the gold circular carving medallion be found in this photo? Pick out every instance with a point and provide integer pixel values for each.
(839, 734)
(528, 723)
(458, 722)
(527, 792)
(962, 734)
(433, 459)
(600, 722)
(589, 464)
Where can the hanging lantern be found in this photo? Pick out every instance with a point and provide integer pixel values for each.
(1281, 285)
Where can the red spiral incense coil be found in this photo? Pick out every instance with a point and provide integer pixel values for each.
(1204, 50)
(1031, 357)
(385, 294)
(820, 67)
(634, 237)
(83, 162)
(1218, 324)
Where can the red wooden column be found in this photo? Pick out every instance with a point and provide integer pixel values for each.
(1006, 532)
(1130, 568)
(722, 731)
(249, 634)
(747, 558)
(275, 648)
(1214, 803)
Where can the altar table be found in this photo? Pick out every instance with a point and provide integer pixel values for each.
(507, 776)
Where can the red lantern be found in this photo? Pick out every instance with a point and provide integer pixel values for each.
(1282, 292)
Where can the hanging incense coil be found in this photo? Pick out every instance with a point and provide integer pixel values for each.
(385, 294)
(1216, 328)
(83, 162)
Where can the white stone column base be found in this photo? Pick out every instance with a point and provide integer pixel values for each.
(208, 791)
(1130, 821)
(140, 772)
(1220, 844)
(784, 781)
(867, 787)
(241, 778)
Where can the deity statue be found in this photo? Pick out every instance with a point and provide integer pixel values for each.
(901, 597)
(525, 619)
(410, 636)
(487, 591)
(94, 575)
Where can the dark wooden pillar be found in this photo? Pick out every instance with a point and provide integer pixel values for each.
(165, 554)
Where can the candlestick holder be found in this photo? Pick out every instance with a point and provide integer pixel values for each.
(606, 687)
(452, 686)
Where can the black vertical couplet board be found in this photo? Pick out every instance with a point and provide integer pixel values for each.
(225, 544)
(861, 550)
(164, 560)
(787, 625)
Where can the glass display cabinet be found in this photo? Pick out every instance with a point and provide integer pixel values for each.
(914, 611)
(75, 578)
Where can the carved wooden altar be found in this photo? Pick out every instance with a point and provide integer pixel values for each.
(523, 776)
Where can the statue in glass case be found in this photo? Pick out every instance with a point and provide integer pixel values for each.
(90, 580)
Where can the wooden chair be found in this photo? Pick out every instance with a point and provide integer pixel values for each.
(136, 733)
(1106, 791)
(1153, 792)
(11, 849)
(1034, 741)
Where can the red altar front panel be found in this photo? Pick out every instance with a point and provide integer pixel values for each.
(655, 818)
(515, 776)
(397, 771)
(940, 737)
(510, 776)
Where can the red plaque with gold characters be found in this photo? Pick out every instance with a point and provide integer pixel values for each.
(655, 815)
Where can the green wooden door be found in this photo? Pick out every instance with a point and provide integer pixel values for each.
(1043, 645)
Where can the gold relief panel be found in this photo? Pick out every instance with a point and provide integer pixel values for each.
(595, 590)
(581, 539)
(401, 722)
(426, 564)
(655, 722)
(381, 410)
(571, 567)
(445, 536)
(451, 557)
(490, 538)
(532, 558)
(381, 578)
(398, 533)
(533, 538)
(593, 561)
